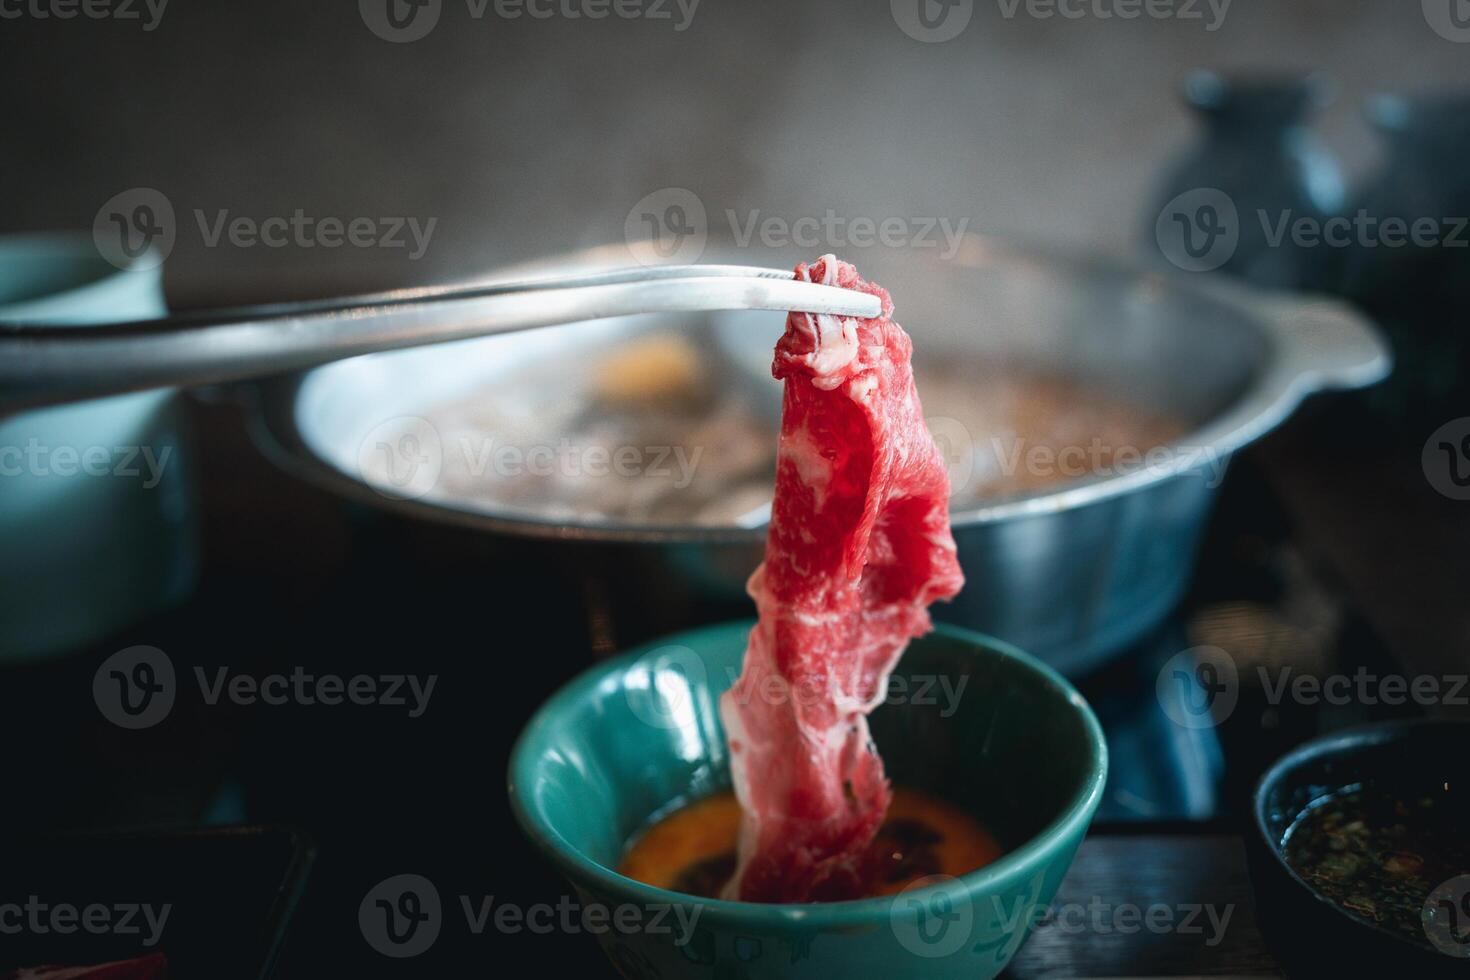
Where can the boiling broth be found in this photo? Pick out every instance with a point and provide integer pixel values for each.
(652, 432)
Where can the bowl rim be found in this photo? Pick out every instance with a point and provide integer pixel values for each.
(1340, 742)
(1017, 862)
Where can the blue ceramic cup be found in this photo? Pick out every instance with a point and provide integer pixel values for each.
(96, 498)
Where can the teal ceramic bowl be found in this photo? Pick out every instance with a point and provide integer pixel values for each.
(979, 723)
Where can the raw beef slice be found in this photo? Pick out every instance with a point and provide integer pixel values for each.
(859, 546)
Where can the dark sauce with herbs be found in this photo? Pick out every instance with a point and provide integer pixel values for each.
(1379, 853)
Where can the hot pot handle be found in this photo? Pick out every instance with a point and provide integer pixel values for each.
(1323, 343)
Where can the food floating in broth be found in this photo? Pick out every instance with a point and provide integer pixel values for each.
(658, 431)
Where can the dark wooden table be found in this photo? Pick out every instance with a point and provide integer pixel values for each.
(1150, 904)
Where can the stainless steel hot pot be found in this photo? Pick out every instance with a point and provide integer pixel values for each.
(1072, 574)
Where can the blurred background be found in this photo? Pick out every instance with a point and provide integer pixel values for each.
(474, 137)
(525, 136)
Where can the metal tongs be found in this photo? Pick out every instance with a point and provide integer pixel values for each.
(50, 364)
